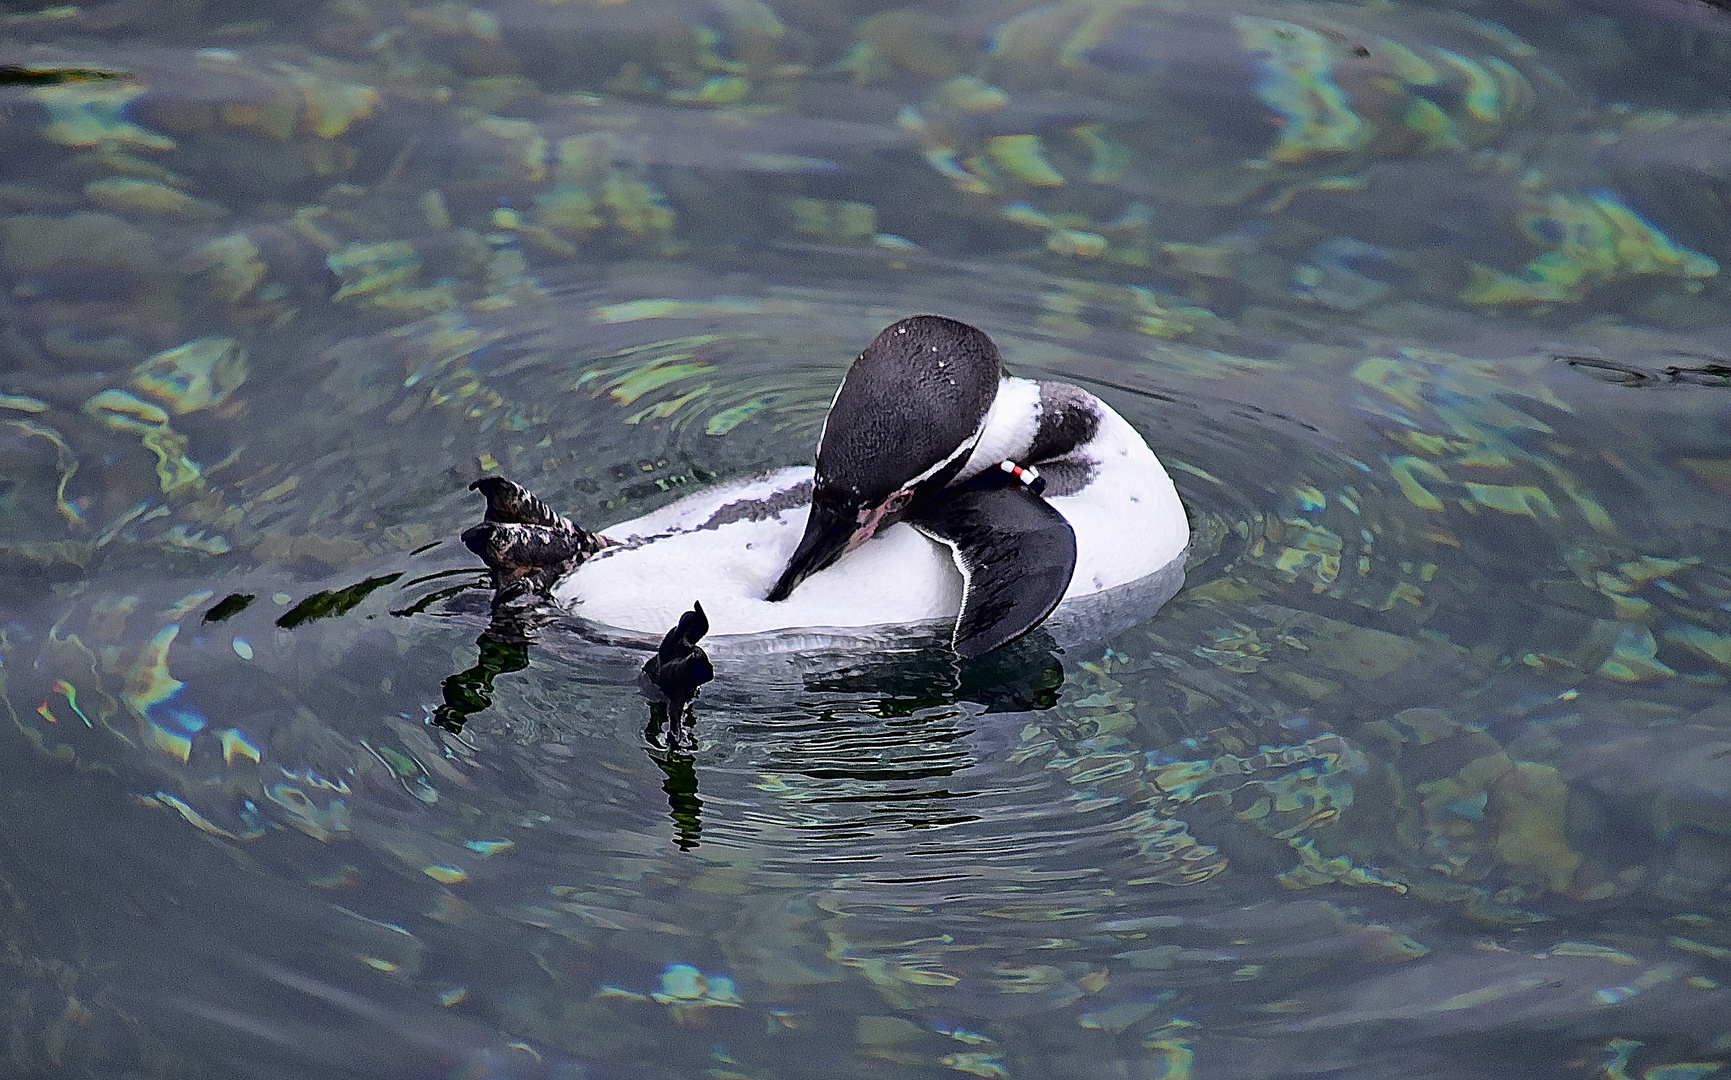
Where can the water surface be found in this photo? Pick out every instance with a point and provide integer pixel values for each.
(1425, 772)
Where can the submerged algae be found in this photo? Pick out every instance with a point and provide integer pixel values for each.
(92, 114)
(1296, 83)
(1595, 240)
(197, 375)
(151, 197)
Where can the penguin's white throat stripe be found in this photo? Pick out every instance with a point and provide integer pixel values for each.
(959, 453)
(871, 518)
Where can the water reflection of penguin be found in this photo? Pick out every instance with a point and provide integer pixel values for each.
(1024, 676)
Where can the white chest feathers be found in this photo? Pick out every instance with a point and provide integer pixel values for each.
(726, 546)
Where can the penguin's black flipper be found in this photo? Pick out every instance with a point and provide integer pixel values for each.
(1015, 552)
(674, 673)
(524, 542)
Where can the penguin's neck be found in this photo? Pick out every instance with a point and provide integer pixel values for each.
(1008, 431)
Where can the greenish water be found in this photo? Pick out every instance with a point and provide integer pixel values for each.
(1426, 773)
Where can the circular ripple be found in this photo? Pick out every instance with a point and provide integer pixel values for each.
(1388, 544)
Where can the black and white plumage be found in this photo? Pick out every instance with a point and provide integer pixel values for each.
(908, 518)
(899, 430)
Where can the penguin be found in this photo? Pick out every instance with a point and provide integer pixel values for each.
(946, 491)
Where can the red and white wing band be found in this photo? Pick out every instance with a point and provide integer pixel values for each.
(1028, 475)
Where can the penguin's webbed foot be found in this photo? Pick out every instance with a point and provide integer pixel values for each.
(511, 502)
(524, 542)
(672, 676)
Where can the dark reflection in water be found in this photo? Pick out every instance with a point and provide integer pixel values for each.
(324, 605)
(1697, 371)
(683, 805)
(1023, 677)
(469, 691)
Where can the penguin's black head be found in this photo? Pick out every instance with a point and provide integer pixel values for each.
(902, 425)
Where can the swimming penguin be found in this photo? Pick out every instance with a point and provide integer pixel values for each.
(946, 491)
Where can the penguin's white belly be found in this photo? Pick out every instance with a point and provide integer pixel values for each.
(726, 546)
(1128, 520)
(665, 560)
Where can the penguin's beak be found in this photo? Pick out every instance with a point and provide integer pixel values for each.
(831, 533)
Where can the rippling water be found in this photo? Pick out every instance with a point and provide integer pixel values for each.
(1425, 772)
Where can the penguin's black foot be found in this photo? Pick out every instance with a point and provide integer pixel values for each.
(512, 502)
(671, 678)
(524, 542)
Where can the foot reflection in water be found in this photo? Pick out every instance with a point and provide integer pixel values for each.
(683, 805)
(471, 691)
(1025, 676)
(670, 683)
